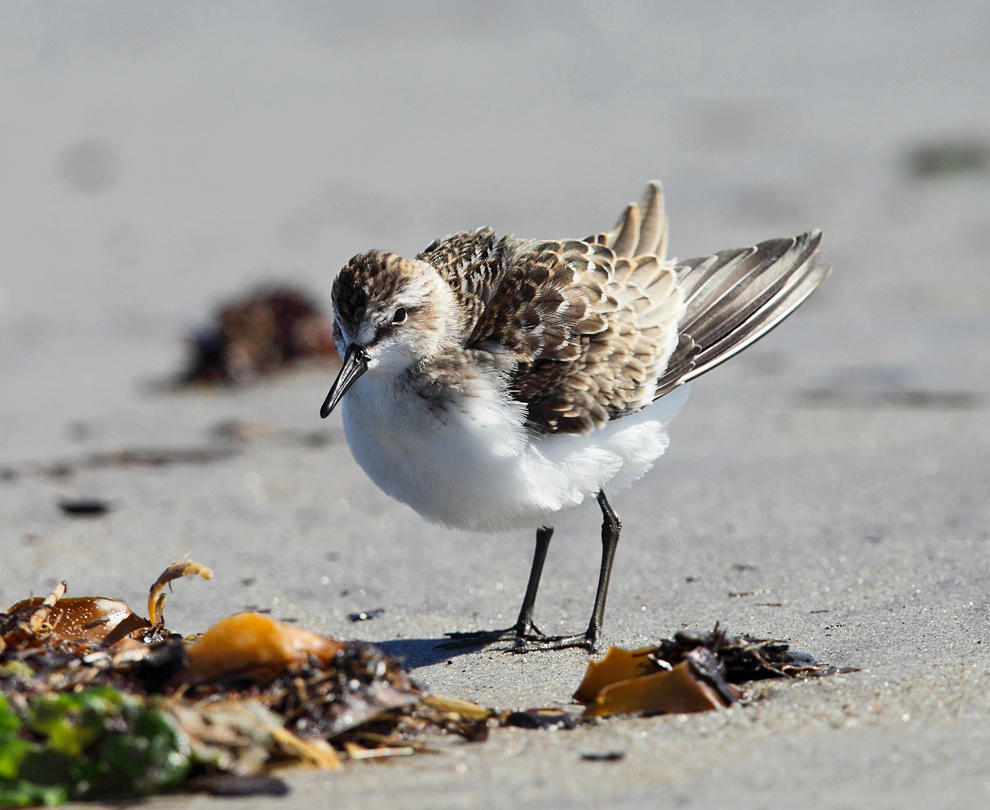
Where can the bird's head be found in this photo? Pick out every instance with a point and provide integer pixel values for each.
(389, 314)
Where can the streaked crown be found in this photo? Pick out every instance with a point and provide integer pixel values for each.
(392, 306)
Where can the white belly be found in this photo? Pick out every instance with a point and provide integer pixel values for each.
(475, 466)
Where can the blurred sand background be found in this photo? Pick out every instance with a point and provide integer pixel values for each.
(156, 158)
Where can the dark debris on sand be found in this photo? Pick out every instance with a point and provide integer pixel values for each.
(263, 332)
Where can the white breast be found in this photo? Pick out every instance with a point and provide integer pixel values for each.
(473, 465)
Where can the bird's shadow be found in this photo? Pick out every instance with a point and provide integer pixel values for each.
(425, 652)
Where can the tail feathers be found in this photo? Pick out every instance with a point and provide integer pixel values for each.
(735, 297)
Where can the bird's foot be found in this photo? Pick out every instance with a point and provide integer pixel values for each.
(581, 641)
(521, 636)
(524, 638)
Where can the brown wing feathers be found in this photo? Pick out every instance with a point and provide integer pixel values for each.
(598, 327)
(586, 330)
(629, 303)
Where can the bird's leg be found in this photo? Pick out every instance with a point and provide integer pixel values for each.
(611, 527)
(523, 630)
(524, 624)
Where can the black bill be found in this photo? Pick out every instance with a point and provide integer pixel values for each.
(355, 364)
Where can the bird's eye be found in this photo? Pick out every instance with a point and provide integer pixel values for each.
(399, 316)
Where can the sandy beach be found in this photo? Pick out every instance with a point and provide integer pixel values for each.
(828, 486)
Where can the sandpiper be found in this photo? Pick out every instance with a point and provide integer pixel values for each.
(493, 381)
